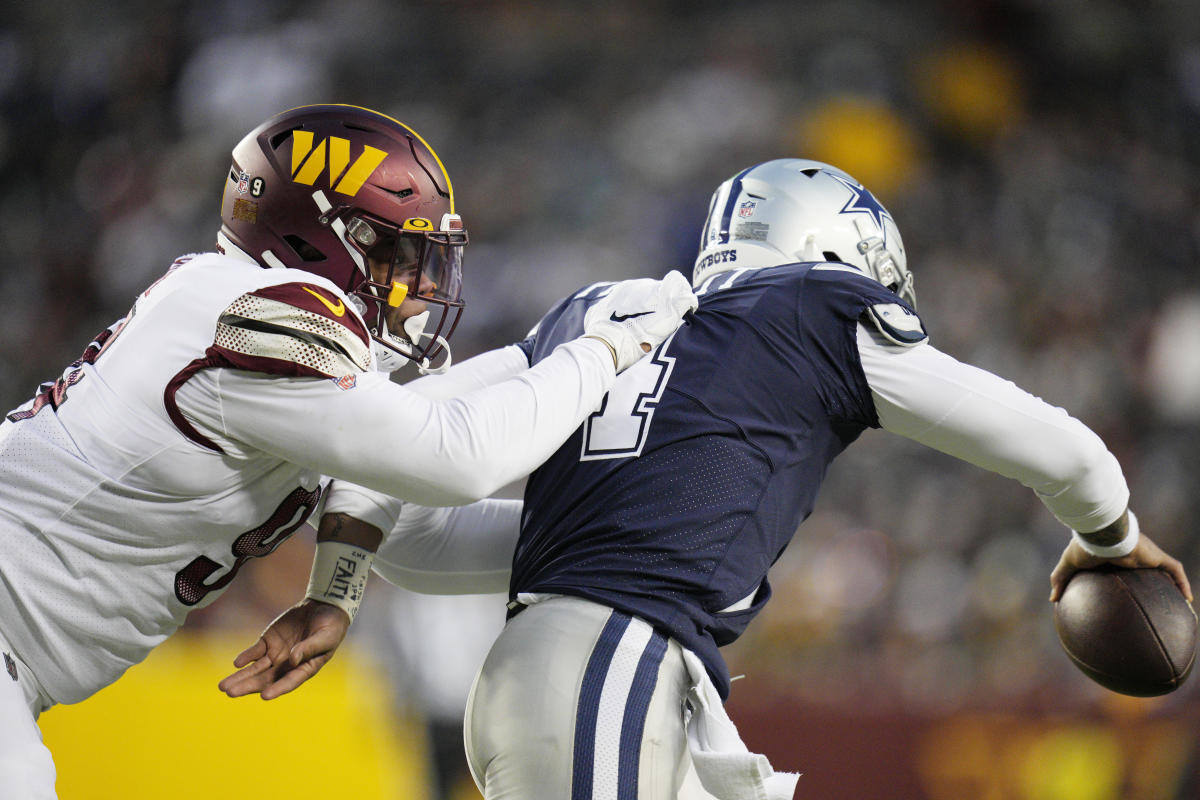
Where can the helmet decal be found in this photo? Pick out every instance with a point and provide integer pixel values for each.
(735, 189)
(308, 163)
(863, 202)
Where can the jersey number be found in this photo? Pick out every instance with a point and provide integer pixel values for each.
(190, 586)
(54, 394)
(619, 429)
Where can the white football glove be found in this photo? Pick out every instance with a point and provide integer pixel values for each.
(639, 312)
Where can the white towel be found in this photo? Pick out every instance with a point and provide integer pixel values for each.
(725, 766)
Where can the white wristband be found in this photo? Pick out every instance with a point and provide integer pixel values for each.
(339, 575)
(1121, 548)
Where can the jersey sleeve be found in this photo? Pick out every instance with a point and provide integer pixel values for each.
(286, 330)
(391, 439)
(475, 373)
(374, 508)
(833, 301)
(294, 329)
(463, 550)
(928, 396)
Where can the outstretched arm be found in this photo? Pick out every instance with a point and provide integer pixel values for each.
(974, 415)
(300, 641)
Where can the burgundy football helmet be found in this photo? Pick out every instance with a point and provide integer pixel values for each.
(321, 188)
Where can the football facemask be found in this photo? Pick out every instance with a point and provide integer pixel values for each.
(411, 264)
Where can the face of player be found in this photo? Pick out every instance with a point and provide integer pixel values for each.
(404, 274)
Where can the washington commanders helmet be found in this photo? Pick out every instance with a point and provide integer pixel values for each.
(324, 188)
(792, 210)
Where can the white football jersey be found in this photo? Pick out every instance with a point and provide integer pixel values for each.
(117, 517)
(195, 434)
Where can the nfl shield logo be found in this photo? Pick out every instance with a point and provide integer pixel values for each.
(345, 382)
(243, 183)
(747, 208)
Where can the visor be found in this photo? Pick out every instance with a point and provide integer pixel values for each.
(424, 264)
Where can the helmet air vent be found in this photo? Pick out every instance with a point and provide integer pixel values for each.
(303, 249)
(829, 255)
(280, 138)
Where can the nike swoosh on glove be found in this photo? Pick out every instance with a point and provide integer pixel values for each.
(640, 312)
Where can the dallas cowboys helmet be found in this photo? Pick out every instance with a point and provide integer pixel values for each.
(793, 210)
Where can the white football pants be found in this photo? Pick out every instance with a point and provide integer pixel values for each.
(577, 701)
(26, 767)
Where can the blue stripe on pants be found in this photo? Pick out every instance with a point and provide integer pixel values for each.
(634, 722)
(630, 690)
(589, 704)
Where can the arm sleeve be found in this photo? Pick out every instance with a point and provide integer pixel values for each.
(928, 396)
(477, 372)
(387, 437)
(463, 550)
(373, 508)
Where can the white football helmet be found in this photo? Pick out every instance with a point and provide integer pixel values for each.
(793, 210)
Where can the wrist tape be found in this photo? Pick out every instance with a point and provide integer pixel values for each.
(339, 575)
(1121, 548)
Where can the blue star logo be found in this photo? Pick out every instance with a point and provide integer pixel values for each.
(863, 202)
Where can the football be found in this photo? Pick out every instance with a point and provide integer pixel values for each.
(1129, 630)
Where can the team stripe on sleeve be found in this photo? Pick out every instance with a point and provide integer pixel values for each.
(618, 684)
(294, 329)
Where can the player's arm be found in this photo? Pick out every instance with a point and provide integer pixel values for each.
(930, 397)
(298, 643)
(477, 372)
(372, 432)
(460, 550)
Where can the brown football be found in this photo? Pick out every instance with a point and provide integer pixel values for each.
(1129, 630)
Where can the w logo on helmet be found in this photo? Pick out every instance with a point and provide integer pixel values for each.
(308, 163)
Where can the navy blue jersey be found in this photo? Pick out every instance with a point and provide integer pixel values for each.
(673, 500)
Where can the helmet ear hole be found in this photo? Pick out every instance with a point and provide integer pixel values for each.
(829, 255)
(304, 250)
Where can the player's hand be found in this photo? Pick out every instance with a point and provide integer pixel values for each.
(291, 650)
(1145, 555)
(637, 315)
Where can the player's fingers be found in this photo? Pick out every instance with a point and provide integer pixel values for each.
(1057, 582)
(251, 653)
(1175, 569)
(239, 685)
(294, 678)
(320, 642)
(1059, 576)
(248, 680)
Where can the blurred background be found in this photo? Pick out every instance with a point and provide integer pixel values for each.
(1042, 160)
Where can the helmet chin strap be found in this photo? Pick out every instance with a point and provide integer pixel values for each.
(396, 351)
(414, 326)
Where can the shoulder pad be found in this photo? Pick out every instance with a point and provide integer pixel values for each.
(897, 324)
(295, 328)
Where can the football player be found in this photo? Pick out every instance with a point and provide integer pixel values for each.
(647, 537)
(200, 430)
